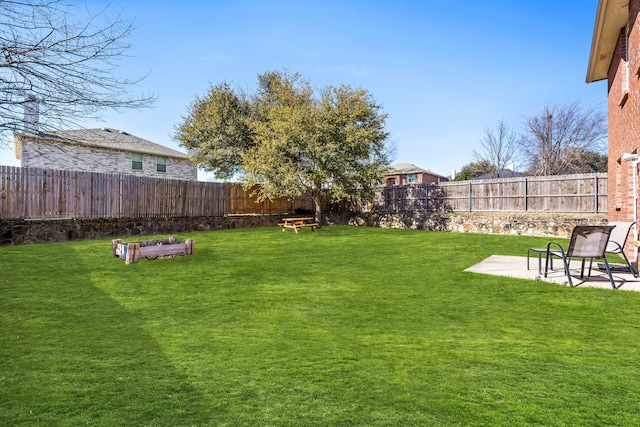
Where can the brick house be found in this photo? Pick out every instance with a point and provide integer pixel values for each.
(102, 150)
(615, 57)
(406, 173)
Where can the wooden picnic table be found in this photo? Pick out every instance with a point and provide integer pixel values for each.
(298, 223)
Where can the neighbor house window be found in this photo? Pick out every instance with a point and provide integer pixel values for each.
(161, 163)
(136, 161)
(412, 178)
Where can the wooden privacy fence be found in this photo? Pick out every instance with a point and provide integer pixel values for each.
(51, 193)
(563, 193)
(242, 202)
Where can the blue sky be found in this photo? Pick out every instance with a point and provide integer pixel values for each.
(442, 70)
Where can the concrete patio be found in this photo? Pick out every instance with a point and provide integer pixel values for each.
(516, 266)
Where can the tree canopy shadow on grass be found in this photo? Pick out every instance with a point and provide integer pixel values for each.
(89, 356)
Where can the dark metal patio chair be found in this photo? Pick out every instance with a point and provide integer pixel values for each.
(587, 242)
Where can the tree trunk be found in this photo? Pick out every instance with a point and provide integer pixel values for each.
(316, 202)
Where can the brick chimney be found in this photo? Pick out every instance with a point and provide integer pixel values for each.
(31, 115)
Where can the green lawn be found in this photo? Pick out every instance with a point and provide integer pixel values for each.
(346, 326)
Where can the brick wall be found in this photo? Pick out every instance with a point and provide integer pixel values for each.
(624, 119)
(421, 178)
(91, 159)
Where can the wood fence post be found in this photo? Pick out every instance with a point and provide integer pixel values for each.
(595, 194)
(526, 199)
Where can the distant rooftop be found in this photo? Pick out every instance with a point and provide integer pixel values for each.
(407, 168)
(110, 138)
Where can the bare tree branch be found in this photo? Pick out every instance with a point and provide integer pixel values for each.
(499, 148)
(68, 68)
(556, 139)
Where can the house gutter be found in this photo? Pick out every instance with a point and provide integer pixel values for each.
(611, 16)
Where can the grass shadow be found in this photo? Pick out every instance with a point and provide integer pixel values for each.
(71, 355)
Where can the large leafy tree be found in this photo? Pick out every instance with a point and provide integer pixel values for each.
(284, 132)
(216, 132)
(290, 139)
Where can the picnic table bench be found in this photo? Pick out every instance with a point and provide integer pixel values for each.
(298, 223)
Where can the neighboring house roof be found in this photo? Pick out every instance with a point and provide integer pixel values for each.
(505, 173)
(407, 168)
(104, 138)
(611, 16)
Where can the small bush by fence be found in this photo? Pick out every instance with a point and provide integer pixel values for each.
(586, 193)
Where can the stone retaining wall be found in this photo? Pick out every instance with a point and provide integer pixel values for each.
(512, 223)
(18, 232)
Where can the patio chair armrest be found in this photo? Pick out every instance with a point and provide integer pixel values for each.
(559, 252)
(558, 245)
(618, 247)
